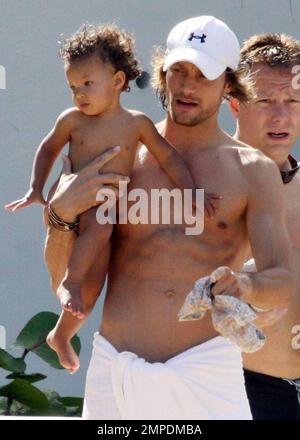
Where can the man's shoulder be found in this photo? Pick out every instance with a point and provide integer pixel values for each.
(260, 172)
(252, 159)
(256, 169)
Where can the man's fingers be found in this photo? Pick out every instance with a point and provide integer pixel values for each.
(220, 272)
(110, 188)
(224, 287)
(270, 317)
(107, 191)
(105, 157)
(111, 179)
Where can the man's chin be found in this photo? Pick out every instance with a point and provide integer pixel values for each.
(185, 120)
(277, 149)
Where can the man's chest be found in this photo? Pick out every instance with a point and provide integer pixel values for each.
(150, 184)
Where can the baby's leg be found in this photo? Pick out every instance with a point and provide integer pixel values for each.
(93, 238)
(68, 325)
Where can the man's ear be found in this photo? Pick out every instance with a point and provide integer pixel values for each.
(119, 79)
(234, 107)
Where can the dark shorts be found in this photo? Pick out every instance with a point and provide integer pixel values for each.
(272, 398)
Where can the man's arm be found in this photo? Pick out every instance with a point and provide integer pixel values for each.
(58, 248)
(273, 283)
(72, 195)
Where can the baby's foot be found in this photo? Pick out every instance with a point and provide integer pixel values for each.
(70, 298)
(65, 352)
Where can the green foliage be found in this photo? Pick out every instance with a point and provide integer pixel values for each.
(10, 363)
(20, 396)
(33, 338)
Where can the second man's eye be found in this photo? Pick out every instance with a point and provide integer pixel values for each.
(88, 83)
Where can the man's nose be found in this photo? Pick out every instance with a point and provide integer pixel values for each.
(280, 112)
(189, 84)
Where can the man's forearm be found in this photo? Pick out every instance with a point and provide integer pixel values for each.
(270, 288)
(58, 248)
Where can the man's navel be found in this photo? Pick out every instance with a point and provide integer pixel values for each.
(222, 225)
(169, 293)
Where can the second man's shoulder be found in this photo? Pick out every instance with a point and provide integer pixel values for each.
(256, 166)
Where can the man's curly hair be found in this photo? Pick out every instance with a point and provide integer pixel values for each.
(273, 49)
(112, 45)
(240, 80)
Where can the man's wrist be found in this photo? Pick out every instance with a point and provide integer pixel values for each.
(246, 286)
(67, 216)
(59, 223)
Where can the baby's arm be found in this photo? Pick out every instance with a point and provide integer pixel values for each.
(171, 161)
(166, 155)
(43, 161)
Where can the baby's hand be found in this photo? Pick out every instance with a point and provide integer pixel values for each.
(211, 204)
(32, 196)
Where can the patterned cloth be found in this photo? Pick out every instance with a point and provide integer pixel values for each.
(231, 317)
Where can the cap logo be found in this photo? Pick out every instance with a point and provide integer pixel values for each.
(197, 37)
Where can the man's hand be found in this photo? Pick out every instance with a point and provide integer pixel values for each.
(237, 284)
(228, 282)
(76, 193)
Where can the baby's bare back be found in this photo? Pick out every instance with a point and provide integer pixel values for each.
(92, 135)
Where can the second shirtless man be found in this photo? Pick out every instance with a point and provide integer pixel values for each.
(271, 122)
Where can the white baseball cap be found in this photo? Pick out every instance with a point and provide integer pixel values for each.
(206, 42)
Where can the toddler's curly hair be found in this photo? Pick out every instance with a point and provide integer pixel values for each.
(111, 44)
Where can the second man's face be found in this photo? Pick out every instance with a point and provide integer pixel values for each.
(271, 121)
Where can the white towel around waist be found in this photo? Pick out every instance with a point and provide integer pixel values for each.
(204, 382)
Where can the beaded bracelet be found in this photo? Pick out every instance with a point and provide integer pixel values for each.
(59, 223)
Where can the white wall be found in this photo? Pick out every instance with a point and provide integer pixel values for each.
(36, 93)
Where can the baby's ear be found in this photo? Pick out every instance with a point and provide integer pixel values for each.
(119, 79)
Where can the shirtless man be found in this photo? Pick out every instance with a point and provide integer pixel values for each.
(145, 363)
(271, 122)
